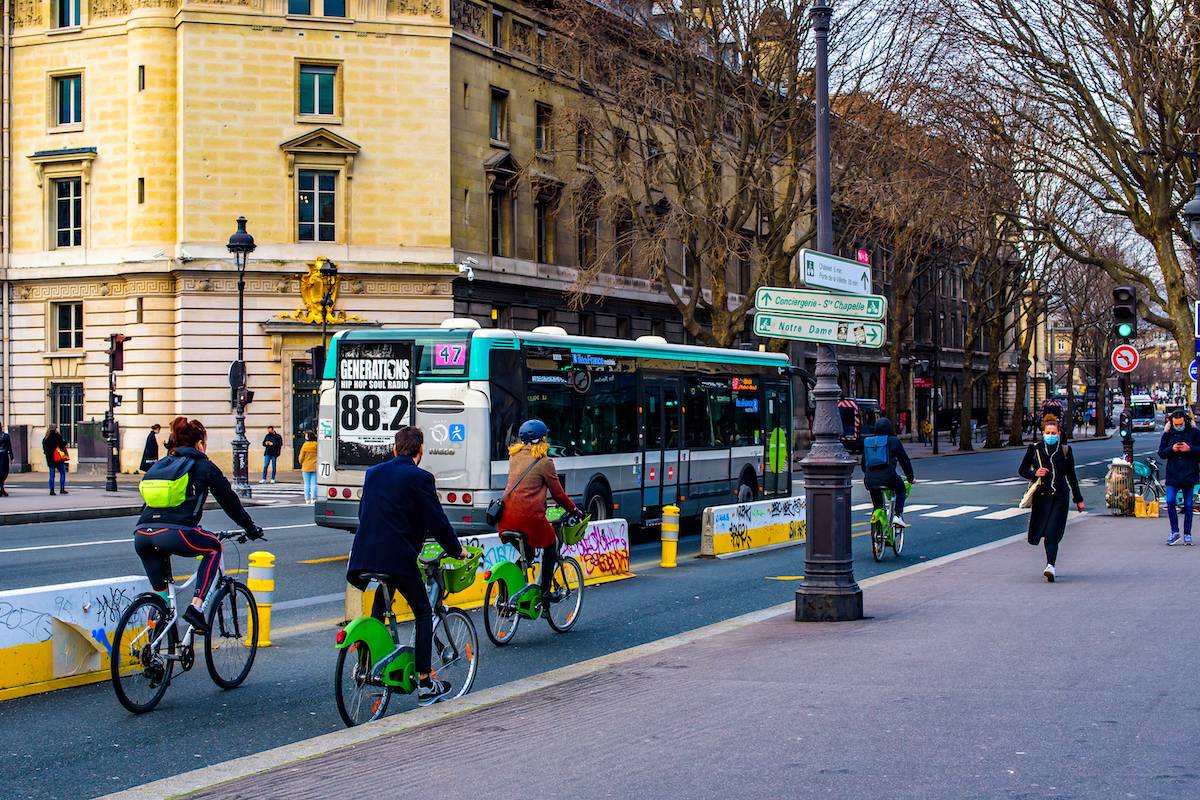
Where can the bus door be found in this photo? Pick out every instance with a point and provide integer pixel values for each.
(777, 427)
(661, 460)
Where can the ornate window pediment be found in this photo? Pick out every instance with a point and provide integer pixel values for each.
(501, 170)
(321, 146)
(70, 159)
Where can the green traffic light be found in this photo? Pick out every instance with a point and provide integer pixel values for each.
(1124, 330)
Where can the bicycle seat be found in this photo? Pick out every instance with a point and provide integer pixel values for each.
(375, 576)
(512, 537)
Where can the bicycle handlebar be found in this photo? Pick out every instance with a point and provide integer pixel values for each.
(240, 536)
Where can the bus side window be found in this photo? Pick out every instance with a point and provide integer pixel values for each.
(507, 384)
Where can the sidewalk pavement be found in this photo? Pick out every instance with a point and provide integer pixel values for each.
(972, 678)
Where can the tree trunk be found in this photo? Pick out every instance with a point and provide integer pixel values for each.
(1069, 425)
(1016, 428)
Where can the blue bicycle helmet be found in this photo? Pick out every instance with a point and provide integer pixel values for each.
(532, 431)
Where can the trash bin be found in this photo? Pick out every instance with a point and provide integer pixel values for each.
(1118, 487)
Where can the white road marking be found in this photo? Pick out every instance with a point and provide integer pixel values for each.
(1005, 513)
(975, 483)
(129, 540)
(1010, 482)
(919, 507)
(937, 483)
(858, 507)
(957, 511)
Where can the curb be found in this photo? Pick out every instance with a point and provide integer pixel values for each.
(96, 512)
(235, 769)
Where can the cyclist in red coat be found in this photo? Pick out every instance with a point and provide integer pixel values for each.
(531, 475)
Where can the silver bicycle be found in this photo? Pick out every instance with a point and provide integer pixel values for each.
(147, 646)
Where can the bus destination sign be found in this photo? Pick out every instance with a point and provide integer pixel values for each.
(374, 399)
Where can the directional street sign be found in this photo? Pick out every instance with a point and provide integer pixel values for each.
(818, 329)
(1125, 358)
(823, 271)
(1193, 369)
(824, 304)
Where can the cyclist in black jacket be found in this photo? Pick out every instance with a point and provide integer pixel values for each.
(164, 532)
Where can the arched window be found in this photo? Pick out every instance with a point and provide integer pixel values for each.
(873, 386)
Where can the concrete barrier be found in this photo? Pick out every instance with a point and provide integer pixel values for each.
(742, 528)
(603, 553)
(52, 637)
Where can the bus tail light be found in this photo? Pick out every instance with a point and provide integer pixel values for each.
(467, 498)
(346, 493)
(466, 519)
(332, 492)
(451, 497)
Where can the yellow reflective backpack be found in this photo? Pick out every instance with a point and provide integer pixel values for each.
(165, 484)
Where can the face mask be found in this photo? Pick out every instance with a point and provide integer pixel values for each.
(1178, 426)
(1050, 439)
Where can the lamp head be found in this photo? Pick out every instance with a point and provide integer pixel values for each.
(241, 244)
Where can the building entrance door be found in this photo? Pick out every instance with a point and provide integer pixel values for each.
(306, 396)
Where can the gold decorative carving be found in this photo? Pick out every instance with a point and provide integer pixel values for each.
(108, 8)
(27, 12)
(468, 17)
(313, 287)
(415, 8)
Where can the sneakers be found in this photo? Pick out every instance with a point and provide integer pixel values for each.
(264, 480)
(272, 480)
(1173, 539)
(193, 617)
(1187, 539)
(898, 522)
(62, 491)
(430, 690)
(1049, 573)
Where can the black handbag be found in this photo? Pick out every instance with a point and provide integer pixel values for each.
(496, 507)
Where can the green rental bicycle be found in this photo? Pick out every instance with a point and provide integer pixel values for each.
(510, 596)
(371, 664)
(884, 532)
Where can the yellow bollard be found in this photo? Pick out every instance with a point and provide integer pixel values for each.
(670, 535)
(262, 583)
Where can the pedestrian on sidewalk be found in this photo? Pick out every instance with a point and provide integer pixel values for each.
(54, 447)
(308, 466)
(1052, 465)
(882, 453)
(272, 447)
(1180, 448)
(150, 451)
(5, 458)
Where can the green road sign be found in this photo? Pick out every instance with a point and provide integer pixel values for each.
(819, 329)
(823, 304)
(821, 271)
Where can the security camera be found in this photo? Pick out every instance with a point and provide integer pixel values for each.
(466, 267)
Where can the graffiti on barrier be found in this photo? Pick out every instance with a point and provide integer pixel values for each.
(604, 549)
(746, 526)
(28, 623)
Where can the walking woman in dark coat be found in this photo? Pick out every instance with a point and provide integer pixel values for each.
(1179, 447)
(1052, 464)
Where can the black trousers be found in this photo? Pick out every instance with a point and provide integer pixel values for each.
(412, 589)
(3, 470)
(156, 545)
(550, 559)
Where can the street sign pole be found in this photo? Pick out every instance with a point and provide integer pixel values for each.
(829, 592)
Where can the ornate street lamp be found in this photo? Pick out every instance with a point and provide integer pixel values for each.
(241, 244)
(328, 282)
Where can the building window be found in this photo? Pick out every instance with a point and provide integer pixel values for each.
(67, 13)
(141, 195)
(141, 77)
(318, 90)
(68, 212)
(68, 326)
(334, 8)
(66, 410)
(68, 100)
(301, 7)
(498, 29)
(541, 130)
(317, 205)
(585, 241)
(624, 328)
(543, 211)
(623, 239)
(583, 144)
(500, 221)
(498, 128)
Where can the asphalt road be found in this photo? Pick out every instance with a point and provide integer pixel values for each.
(81, 743)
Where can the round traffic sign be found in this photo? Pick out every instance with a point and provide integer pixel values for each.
(1125, 358)
(1194, 369)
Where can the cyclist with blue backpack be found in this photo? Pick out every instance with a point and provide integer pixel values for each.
(881, 454)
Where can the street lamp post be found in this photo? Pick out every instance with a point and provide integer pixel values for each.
(328, 279)
(241, 244)
(939, 316)
(829, 592)
(1191, 215)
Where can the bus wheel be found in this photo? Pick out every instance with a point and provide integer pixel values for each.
(597, 502)
(746, 491)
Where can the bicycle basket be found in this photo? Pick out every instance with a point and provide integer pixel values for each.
(573, 534)
(1141, 469)
(457, 574)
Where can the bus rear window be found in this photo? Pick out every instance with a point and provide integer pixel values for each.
(444, 357)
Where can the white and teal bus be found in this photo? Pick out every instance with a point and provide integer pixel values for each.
(634, 425)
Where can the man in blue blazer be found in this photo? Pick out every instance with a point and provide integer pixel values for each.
(399, 510)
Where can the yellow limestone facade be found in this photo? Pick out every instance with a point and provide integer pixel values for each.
(126, 187)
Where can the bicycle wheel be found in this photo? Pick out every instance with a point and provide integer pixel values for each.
(359, 699)
(877, 542)
(139, 663)
(566, 587)
(500, 620)
(455, 651)
(897, 540)
(232, 638)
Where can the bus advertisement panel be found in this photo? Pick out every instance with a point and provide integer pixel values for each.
(374, 399)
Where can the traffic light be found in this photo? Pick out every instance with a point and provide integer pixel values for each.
(1124, 313)
(116, 351)
(1126, 425)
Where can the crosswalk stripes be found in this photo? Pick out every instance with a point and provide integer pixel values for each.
(938, 483)
(1005, 513)
(862, 507)
(915, 507)
(1011, 482)
(956, 511)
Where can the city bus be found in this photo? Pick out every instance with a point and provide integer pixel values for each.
(634, 425)
(1144, 411)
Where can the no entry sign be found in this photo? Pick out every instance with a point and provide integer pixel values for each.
(1125, 358)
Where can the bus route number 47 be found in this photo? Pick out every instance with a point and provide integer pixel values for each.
(367, 411)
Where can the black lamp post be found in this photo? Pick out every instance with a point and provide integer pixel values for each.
(829, 592)
(241, 244)
(328, 278)
(1191, 215)
(939, 318)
